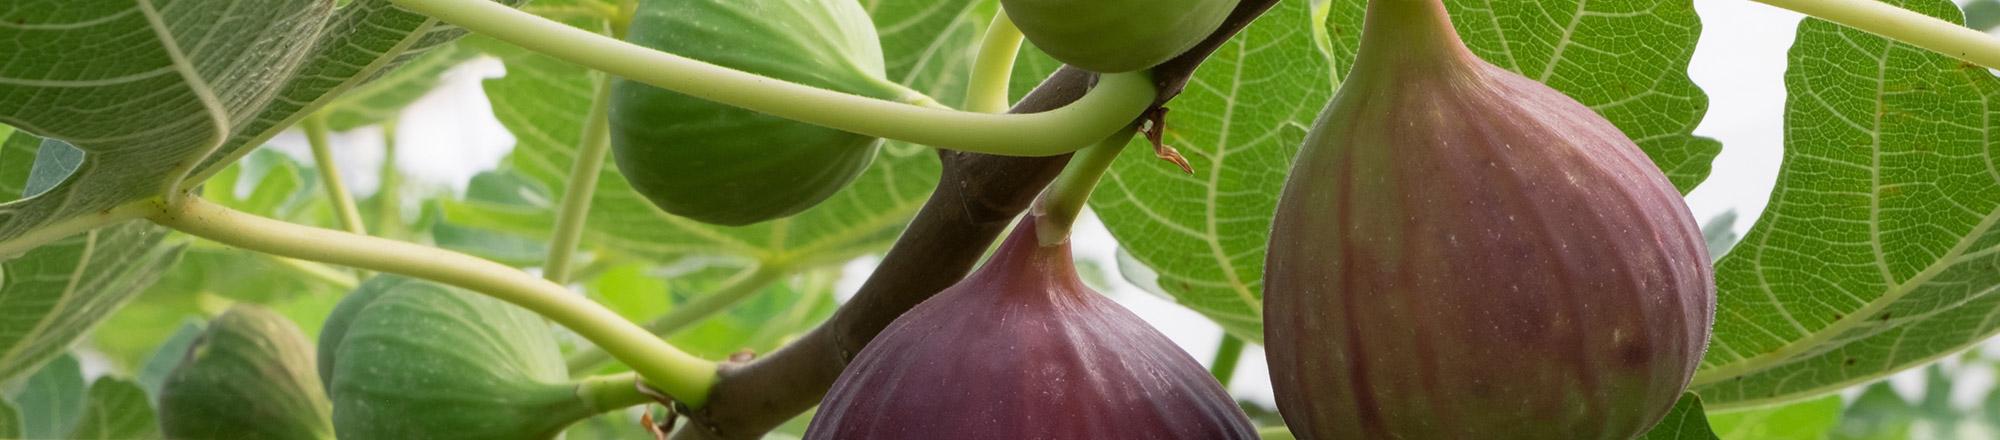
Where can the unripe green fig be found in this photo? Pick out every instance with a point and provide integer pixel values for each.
(421, 360)
(1022, 349)
(249, 375)
(1464, 253)
(1115, 36)
(729, 166)
(334, 329)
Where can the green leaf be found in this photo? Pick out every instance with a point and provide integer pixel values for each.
(192, 87)
(1877, 414)
(1808, 420)
(1685, 422)
(116, 409)
(1879, 250)
(57, 293)
(1205, 234)
(384, 98)
(10, 419)
(51, 399)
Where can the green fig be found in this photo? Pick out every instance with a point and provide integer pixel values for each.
(426, 361)
(729, 166)
(1022, 349)
(249, 375)
(1464, 253)
(342, 317)
(1116, 36)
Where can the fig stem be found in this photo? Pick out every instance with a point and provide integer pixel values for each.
(1059, 206)
(1903, 25)
(611, 392)
(388, 195)
(1115, 101)
(329, 174)
(738, 288)
(987, 89)
(594, 146)
(686, 377)
(1227, 356)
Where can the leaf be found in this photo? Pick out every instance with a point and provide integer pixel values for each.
(54, 294)
(191, 87)
(51, 399)
(1685, 422)
(384, 98)
(10, 419)
(117, 409)
(1205, 234)
(544, 101)
(1879, 250)
(1807, 420)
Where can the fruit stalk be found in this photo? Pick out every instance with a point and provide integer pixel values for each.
(986, 90)
(673, 371)
(1110, 106)
(1056, 211)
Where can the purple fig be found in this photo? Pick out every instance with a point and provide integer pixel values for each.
(1464, 253)
(1022, 350)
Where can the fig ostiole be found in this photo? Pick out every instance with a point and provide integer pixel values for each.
(729, 166)
(422, 360)
(1115, 36)
(1021, 349)
(1462, 252)
(249, 375)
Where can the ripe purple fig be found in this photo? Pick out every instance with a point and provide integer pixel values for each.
(1022, 349)
(1462, 252)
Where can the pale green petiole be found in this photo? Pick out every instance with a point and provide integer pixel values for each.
(1117, 100)
(1908, 27)
(683, 376)
(987, 89)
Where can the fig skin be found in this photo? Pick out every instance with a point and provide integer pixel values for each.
(1464, 253)
(728, 166)
(1117, 36)
(421, 360)
(1022, 349)
(250, 375)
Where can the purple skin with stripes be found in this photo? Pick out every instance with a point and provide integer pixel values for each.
(1464, 253)
(1022, 349)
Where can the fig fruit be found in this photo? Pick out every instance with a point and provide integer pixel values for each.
(421, 360)
(729, 166)
(1115, 36)
(1021, 349)
(1461, 252)
(249, 375)
(337, 322)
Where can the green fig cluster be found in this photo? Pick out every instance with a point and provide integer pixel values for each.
(412, 359)
(249, 375)
(1115, 36)
(1464, 253)
(729, 166)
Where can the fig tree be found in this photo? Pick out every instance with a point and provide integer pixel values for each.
(724, 165)
(1022, 349)
(249, 375)
(421, 360)
(1113, 36)
(1462, 252)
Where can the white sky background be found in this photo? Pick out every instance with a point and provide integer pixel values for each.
(450, 135)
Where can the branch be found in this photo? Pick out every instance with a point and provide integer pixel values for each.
(976, 198)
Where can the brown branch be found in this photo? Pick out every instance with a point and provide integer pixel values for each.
(977, 196)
